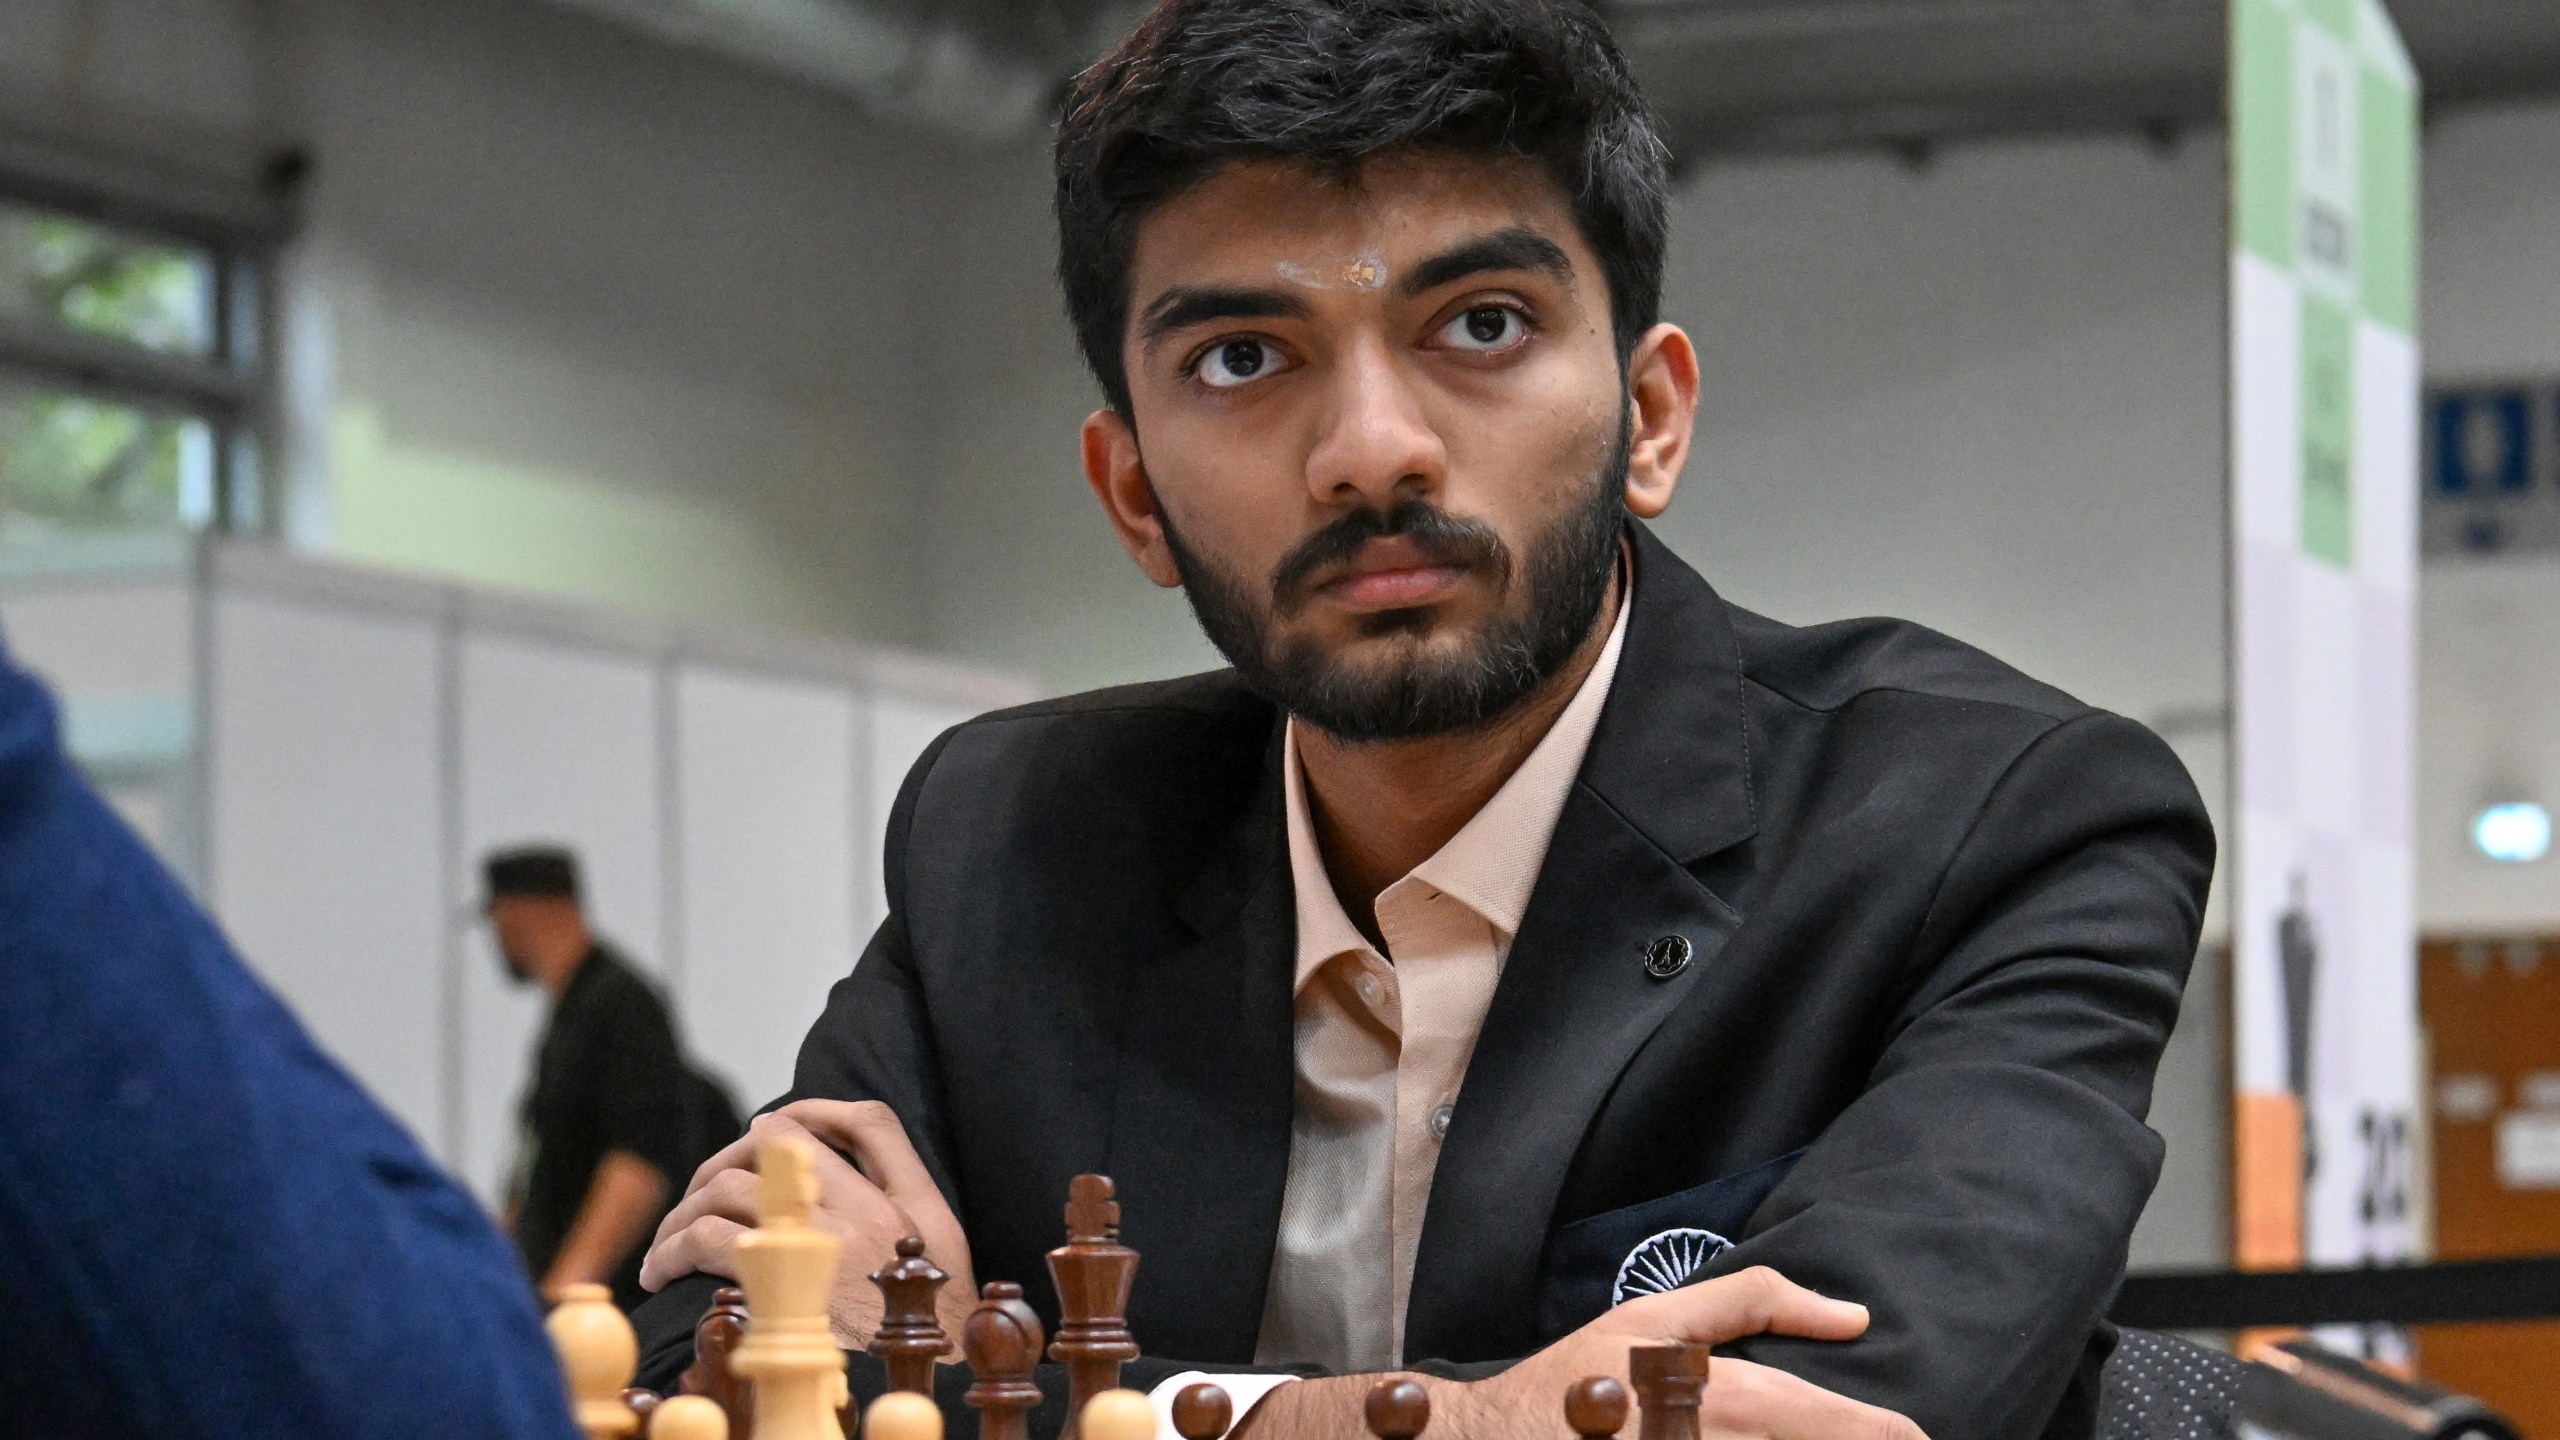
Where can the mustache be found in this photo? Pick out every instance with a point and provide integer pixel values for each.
(1443, 539)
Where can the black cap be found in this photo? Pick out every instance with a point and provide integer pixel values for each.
(548, 870)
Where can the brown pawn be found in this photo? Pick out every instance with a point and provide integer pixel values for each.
(1093, 1272)
(1595, 1406)
(1002, 1343)
(1202, 1412)
(1669, 1381)
(715, 1337)
(1397, 1409)
(910, 1336)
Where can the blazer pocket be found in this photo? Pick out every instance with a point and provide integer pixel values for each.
(1603, 1260)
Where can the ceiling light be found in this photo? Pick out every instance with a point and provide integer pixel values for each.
(2515, 832)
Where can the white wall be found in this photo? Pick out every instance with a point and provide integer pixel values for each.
(2489, 630)
(570, 311)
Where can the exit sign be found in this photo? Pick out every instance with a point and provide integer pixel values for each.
(2492, 469)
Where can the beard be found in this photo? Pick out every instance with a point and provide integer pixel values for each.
(1438, 690)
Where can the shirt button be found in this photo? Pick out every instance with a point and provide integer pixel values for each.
(1440, 1121)
(1369, 988)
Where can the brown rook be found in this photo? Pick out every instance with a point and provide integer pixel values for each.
(1669, 1381)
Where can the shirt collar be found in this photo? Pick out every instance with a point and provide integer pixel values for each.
(1491, 865)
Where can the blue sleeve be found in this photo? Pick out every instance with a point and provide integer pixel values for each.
(206, 1228)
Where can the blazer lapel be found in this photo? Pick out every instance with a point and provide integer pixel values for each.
(1666, 783)
(1201, 1110)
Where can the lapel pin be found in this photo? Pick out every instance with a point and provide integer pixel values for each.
(1667, 956)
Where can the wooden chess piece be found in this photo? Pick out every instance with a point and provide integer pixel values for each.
(789, 1267)
(1002, 1342)
(689, 1417)
(1202, 1412)
(902, 1415)
(1669, 1381)
(598, 1354)
(1093, 1272)
(715, 1340)
(1397, 1409)
(910, 1336)
(643, 1403)
(1595, 1407)
(1117, 1415)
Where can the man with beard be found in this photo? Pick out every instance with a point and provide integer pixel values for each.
(1521, 952)
(605, 1132)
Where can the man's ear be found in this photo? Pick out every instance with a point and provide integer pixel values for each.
(1662, 385)
(1119, 480)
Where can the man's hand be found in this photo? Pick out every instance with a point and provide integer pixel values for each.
(870, 1208)
(1526, 1402)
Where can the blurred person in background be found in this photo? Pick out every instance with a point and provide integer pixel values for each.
(614, 1121)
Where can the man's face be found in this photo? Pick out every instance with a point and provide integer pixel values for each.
(514, 922)
(1382, 431)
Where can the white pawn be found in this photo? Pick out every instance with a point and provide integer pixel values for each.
(902, 1415)
(1118, 1415)
(688, 1417)
(598, 1353)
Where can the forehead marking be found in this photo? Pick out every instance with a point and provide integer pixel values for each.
(1361, 272)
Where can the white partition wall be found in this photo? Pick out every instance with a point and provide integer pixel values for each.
(327, 847)
(770, 840)
(558, 743)
(333, 752)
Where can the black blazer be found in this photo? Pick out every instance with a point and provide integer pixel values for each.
(1940, 916)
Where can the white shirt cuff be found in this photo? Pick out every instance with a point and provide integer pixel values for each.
(1243, 1392)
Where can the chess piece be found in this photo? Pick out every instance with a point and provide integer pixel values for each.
(598, 1353)
(688, 1417)
(1202, 1412)
(715, 1339)
(1669, 1380)
(1397, 1409)
(643, 1403)
(789, 1266)
(1117, 1415)
(1595, 1407)
(1093, 1272)
(910, 1336)
(1002, 1342)
(902, 1415)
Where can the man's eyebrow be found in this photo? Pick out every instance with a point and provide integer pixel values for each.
(1186, 306)
(1518, 248)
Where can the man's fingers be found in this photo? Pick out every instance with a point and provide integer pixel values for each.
(1744, 1401)
(740, 1154)
(1748, 1302)
(731, 1195)
(878, 1142)
(709, 1244)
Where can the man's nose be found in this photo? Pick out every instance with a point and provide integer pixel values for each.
(1378, 447)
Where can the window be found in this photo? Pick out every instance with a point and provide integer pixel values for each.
(130, 383)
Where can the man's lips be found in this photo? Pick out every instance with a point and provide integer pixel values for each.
(1391, 575)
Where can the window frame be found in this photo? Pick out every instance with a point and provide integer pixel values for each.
(240, 225)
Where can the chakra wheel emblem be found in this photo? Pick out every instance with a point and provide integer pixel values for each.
(1666, 1262)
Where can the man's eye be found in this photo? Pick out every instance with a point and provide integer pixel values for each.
(1485, 329)
(1230, 363)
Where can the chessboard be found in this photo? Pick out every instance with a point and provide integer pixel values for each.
(766, 1365)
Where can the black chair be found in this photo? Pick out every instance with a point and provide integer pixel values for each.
(2159, 1387)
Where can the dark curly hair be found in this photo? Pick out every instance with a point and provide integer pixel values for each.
(1202, 83)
